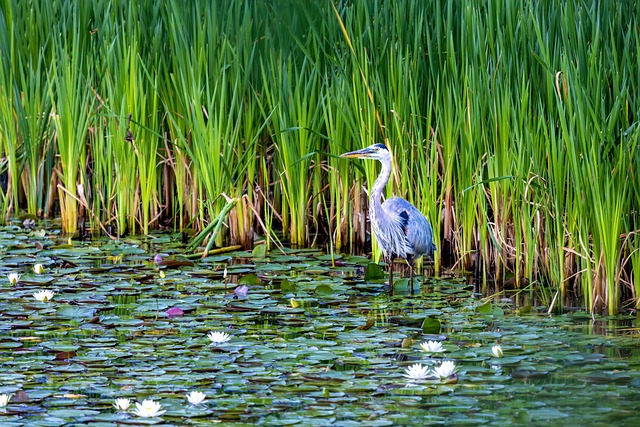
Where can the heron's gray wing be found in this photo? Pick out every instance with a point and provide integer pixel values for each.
(416, 226)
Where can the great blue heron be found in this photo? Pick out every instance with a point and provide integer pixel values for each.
(401, 229)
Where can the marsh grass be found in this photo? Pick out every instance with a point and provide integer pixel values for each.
(514, 127)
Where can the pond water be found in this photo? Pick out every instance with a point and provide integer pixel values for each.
(310, 344)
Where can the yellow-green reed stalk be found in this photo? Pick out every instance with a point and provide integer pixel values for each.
(593, 120)
(183, 200)
(103, 186)
(210, 88)
(467, 172)
(559, 193)
(125, 101)
(634, 250)
(499, 165)
(605, 187)
(33, 108)
(245, 171)
(145, 141)
(446, 136)
(292, 92)
(73, 102)
(150, 69)
(243, 160)
(528, 196)
(429, 172)
(340, 124)
(553, 168)
(178, 162)
(635, 267)
(9, 138)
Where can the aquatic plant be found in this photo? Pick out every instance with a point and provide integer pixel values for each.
(122, 404)
(148, 409)
(13, 278)
(196, 397)
(514, 128)
(445, 370)
(44, 296)
(417, 372)
(432, 347)
(219, 337)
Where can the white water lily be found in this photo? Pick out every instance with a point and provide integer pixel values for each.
(148, 409)
(4, 399)
(122, 404)
(196, 397)
(38, 268)
(13, 278)
(44, 296)
(417, 372)
(432, 347)
(496, 350)
(219, 337)
(445, 370)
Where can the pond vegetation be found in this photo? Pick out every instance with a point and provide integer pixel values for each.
(288, 339)
(514, 127)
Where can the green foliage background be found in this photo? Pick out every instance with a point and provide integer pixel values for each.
(514, 125)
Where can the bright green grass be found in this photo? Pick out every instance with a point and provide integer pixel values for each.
(514, 126)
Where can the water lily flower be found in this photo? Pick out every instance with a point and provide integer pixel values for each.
(175, 312)
(445, 370)
(496, 350)
(13, 278)
(44, 296)
(122, 404)
(219, 337)
(4, 399)
(148, 409)
(196, 397)
(417, 372)
(38, 268)
(224, 273)
(432, 347)
(241, 290)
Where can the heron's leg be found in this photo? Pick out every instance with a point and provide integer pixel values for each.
(390, 266)
(411, 279)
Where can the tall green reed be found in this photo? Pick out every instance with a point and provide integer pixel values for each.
(73, 100)
(221, 129)
(500, 115)
(292, 91)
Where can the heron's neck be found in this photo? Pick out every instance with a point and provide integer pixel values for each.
(378, 186)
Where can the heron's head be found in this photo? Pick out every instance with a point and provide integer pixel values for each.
(375, 151)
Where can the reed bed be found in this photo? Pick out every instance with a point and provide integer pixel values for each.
(514, 127)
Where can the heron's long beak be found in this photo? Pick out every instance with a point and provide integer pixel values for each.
(358, 153)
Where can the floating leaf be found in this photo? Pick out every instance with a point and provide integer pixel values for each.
(249, 280)
(373, 272)
(287, 285)
(431, 325)
(75, 312)
(323, 290)
(259, 251)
